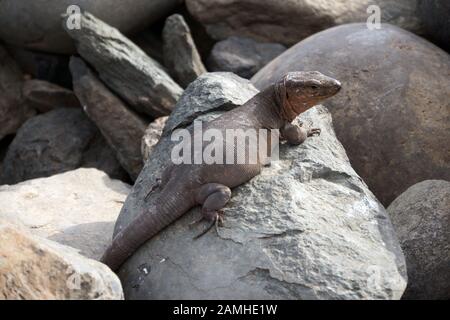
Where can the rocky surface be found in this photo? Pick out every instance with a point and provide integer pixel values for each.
(243, 56)
(45, 96)
(392, 114)
(122, 128)
(421, 217)
(180, 53)
(290, 21)
(435, 18)
(151, 137)
(37, 24)
(306, 228)
(77, 208)
(57, 141)
(13, 112)
(125, 68)
(33, 268)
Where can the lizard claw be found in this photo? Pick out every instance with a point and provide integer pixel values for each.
(217, 221)
(314, 131)
(153, 188)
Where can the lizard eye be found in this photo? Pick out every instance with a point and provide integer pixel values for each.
(314, 87)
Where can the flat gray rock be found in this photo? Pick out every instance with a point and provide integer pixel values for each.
(37, 24)
(392, 114)
(180, 53)
(54, 142)
(306, 228)
(421, 217)
(243, 56)
(125, 68)
(122, 128)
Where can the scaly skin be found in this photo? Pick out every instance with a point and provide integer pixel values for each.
(209, 185)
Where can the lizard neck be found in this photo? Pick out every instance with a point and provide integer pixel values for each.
(269, 112)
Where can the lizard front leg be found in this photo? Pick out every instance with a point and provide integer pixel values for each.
(213, 197)
(296, 135)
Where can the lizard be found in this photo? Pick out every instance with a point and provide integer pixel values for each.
(184, 186)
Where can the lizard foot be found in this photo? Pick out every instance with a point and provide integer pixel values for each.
(216, 222)
(314, 131)
(153, 188)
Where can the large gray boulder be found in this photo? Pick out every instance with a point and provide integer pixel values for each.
(122, 128)
(421, 217)
(243, 56)
(13, 111)
(34, 268)
(392, 114)
(125, 68)
(306, 228)
(290, 21)
(37, 24)
(54, 142)
(77, 208)
(180, 53)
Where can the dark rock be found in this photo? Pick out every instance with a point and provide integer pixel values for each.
(45, 96)
(37, 24)
(421, 217)
(392, 114)
(306, 228)
(13, 111)
(290, 21)
(121, 127)
(180, 53)
(57, 141)
(243, 56)
(435, 15)
(125, 68)
(151, 43)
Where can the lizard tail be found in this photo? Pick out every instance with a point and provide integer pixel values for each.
(142, 228)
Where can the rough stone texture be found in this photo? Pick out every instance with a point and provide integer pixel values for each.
(33, 268)
(435, 15)
(57, 141)
(290, 21)
(77, 208)
(180, 53)
(150, 41)
(151, 137)
(37, 24)
(45, 96)
(13, 112)
(125, 68)
(421, 217)
(243, 56)
(393, 112)
(306, 228)
(122, 128)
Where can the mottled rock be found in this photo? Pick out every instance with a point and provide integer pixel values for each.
(13, 112)
(122, 128)
(421, 217)
(392, 114)
(290, 21)
(57, 141)
(435, 15)
(77, 208)
(45, 96)
(125, 68)
(151, 137)
(243, 56)
(33, 268)
(180, 53)
(306, 228)
(37, 24)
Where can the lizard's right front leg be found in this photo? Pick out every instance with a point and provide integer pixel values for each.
(213, 197)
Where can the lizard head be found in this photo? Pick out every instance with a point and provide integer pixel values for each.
(298, 91)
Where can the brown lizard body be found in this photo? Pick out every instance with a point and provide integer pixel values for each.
(185, 186)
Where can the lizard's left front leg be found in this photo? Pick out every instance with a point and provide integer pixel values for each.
(296, 135)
